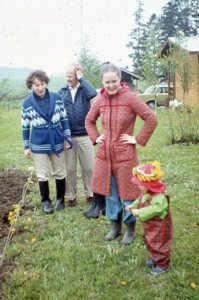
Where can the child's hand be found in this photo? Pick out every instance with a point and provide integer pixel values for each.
(129, 208)
(135, 212)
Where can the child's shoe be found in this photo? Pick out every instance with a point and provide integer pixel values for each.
(149, 263)
(159, 270)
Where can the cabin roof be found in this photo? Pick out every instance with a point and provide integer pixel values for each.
(130, 73)
(189, 44)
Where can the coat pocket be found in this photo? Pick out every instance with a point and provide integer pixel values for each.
(123, 152)
(101, 150)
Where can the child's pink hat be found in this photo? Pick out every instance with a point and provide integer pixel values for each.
(149, 176)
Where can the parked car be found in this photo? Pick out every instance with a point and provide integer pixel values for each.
(157, 95)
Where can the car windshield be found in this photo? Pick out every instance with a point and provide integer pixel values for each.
(150, 90)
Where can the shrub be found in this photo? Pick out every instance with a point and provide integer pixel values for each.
(183, 125)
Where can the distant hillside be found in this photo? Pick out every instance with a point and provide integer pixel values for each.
(7, 72)
(58, 74)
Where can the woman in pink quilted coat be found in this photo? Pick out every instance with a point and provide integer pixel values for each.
(116, 155)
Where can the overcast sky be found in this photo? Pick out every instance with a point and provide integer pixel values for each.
(48, 34)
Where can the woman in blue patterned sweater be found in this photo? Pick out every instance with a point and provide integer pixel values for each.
(44, 127)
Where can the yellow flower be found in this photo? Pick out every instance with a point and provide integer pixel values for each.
(193, 285)
(29, 219)
(33, 240)
(101, 221)
(15, 205)
(123, 282)
(117, 251)
(25, 227)
(83, 218)
(30, 181)
(12, 229)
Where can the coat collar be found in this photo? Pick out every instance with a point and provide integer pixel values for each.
(123, 87)
(67, 87)
(39, 110)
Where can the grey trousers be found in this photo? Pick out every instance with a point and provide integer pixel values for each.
(84, 151)
(42, 165)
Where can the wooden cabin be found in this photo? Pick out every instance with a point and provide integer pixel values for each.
(131, 80)
(188, 61)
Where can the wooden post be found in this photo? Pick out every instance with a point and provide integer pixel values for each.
(169, 92)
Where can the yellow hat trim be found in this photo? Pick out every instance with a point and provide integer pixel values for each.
(155, 174)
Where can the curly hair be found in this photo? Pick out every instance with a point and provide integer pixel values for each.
(40, 75)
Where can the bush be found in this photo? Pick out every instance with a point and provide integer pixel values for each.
(183, 125)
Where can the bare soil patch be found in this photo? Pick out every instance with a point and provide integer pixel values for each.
(11, 188)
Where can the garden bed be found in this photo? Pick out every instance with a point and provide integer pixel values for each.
(11, 189)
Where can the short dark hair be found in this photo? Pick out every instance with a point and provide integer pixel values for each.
(39, 74)
(107, 67)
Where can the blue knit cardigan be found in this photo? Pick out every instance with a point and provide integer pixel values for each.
(47, 136)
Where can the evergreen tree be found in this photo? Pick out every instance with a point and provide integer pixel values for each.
(195, 15)
(177, 15)
(137, 41)
(169, 20)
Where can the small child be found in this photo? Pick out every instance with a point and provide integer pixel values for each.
(153, 209)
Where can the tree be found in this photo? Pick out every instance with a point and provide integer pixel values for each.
(195, 15)
(91, 66)
(137, 41)
(153, 64)
(178, 15)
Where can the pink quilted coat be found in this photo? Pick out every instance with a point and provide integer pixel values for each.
(118, 115)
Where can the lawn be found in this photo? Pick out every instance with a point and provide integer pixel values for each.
(64, 256)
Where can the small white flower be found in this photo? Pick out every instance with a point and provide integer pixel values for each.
(31, 169)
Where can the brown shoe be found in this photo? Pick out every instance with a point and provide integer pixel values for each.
(71, 203)
(90, 200)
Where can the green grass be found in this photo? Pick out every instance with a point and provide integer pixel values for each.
(70, 260)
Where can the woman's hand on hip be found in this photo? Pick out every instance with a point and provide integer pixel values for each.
(27, 153)
(100, 139)
(128, 139)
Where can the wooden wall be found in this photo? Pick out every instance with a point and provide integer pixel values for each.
(192, 96)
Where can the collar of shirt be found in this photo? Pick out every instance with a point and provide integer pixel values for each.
(73, 91)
